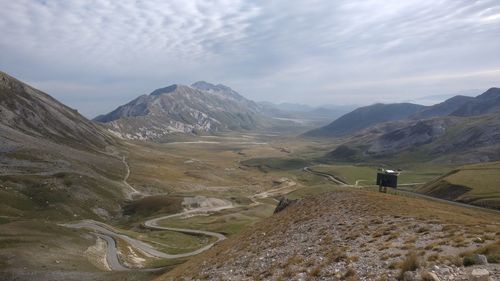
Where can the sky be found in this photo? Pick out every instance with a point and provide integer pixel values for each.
(94, 55)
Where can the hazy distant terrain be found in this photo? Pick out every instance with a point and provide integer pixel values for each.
(459, 130)
(184, 183)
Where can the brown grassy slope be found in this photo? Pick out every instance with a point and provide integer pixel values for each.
(344, 233)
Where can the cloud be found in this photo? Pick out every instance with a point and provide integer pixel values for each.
(278, 50)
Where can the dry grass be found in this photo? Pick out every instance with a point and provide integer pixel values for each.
(405, 213)
(410, 263)
(491, 251)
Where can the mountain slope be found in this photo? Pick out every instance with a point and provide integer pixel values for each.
(444, 108)
(448, 139)
(487, 102)
(461, 130)
(34, 113)
(53, 161)
(199, 108)
(346, 235)
(365, 117)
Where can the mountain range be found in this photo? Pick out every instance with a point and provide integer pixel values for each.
(59, 169)
(199, 108)
(467, 125)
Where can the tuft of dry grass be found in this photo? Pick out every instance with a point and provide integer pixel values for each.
(433, 257)
(491, 251)
(410, 263)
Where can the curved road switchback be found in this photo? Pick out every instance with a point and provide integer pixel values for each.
(111, 255)
(107, 233)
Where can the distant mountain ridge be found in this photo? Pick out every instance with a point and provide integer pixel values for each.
(485, 103)
(199, 108)
(444, 108)
(461, 129)
(365, 117)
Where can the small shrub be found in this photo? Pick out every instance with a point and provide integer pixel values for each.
(315, 271)
(410, 263)
(423, 229)
(493, 258)
(350, 273)
(393, 265)
(353, 258)
(455, 260)
(468, 261)
(433, 257)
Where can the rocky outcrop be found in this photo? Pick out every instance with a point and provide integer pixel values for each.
(283, 204)
(480, 274)
(200, 108)
(422, 132)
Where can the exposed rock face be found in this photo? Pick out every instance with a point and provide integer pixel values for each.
(479, 274)
(480, 259)
(283, 203)
(199, 108)
(410, 137)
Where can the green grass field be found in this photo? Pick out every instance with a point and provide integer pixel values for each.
(477, 184)
(366, 175)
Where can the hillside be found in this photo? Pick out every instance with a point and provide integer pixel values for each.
(460, 130)
(444, 108)
(350, 235)
(53, 161)
(25, 110)
(487, 102)
(369, 116)
(199, 108)
(473, 184)
(365, 117)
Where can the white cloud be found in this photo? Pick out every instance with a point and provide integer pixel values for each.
(279, 50)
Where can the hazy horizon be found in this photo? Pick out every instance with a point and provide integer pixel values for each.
(97, 56)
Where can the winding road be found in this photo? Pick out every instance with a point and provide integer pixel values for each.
(125, 178)
(330, 177)
(110, 236)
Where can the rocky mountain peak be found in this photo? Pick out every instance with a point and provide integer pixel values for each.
(170, 89)
(200, 108)
(203, 85)
(219, 88)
